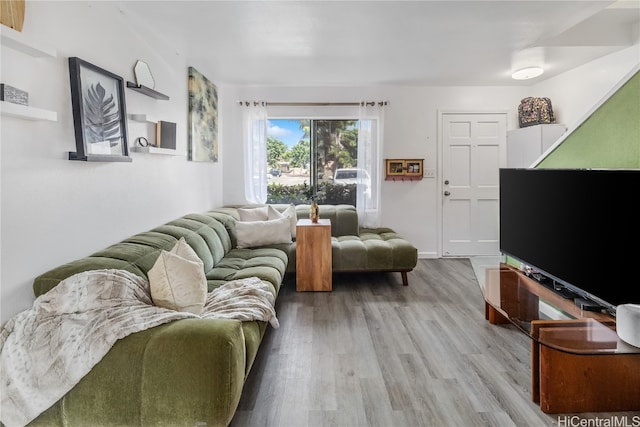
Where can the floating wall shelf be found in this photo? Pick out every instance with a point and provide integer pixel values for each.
(156, 150)
(23, 43)
(144, 118)
(147, 91)
(99, 158)
(26, 112)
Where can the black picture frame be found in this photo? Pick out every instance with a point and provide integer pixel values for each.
(99, 113)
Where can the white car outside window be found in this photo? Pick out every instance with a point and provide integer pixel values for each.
(344, 176)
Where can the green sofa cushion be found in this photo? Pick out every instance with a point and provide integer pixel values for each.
(49, 280)
(197, 239)
(268, 264)
(154, 369)
(387, 248)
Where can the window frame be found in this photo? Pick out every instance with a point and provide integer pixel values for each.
(313, 113)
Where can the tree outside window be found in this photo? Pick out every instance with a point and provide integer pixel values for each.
(308, 157)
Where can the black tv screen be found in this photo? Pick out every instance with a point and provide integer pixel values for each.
(579, 227)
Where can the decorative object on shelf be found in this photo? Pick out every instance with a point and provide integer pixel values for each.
(314, 211)
(166, 135)
(12, 13)
(99, 113)
(143, 75)
(145, 83)
(142, 141)
(203, 118)
(535, 111)
(414, 168)
(395, 167)
(13, 95)
(404, 169)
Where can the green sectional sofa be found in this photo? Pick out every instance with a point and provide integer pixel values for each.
(192, 371)
(184, 373)
(353, 249)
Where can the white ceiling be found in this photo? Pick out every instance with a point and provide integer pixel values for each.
(358, 43)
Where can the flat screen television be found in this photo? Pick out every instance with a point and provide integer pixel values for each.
(577, 227)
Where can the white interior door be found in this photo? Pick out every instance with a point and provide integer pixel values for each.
(473, 150)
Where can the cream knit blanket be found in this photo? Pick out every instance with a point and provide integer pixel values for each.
(46, 350)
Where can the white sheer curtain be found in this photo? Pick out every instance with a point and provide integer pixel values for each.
(371, 119)
(254, 125)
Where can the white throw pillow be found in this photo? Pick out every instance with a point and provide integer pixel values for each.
(259, 233)
(177, 279)
(184, 250)
(290, 213)
(254, 214)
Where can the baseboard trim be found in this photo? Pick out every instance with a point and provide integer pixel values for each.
(427, 255)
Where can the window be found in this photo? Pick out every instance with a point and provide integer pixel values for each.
(308, 157)
(293, 151)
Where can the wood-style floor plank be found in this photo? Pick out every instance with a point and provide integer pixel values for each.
(376, 353)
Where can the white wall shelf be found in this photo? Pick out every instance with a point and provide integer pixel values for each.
(144, 118)
(26, 112)
(25, 44)
(156, 150)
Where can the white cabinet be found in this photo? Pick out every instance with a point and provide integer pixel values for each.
(526, 145)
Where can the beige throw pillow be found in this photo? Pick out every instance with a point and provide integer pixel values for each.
(253, 214)
(259, 233)
(290, 213)
(177, 279)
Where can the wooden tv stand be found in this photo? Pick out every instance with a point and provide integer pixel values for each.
(578, 363)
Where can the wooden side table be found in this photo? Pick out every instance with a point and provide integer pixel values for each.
(313, 255)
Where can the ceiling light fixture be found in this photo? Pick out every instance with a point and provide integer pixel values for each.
(527, 73)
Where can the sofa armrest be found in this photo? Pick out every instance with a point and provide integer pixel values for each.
(187, 372)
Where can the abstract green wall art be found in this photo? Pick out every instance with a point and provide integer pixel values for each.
(203, 118)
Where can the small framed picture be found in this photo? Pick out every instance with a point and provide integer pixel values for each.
(99, 113)
(395, 167)
(414, 167)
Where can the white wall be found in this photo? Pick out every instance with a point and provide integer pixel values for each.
(55, 210)
(574, 93)
(411, 130)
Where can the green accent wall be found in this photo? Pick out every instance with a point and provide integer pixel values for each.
(608, 138)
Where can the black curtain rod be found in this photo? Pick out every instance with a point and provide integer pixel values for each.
(313, 104)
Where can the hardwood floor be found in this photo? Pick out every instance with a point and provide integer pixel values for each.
(375, 353)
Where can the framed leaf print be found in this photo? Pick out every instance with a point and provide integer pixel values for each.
(99, 113)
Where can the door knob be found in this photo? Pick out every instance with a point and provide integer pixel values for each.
(446, 182)
(446, 193)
